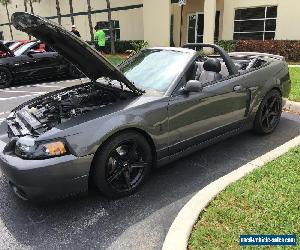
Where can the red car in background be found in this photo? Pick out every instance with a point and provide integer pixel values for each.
(12, 45)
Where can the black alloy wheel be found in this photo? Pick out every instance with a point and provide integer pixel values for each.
(125, 166)
(269, 113)
(5, 78)
(122, 165)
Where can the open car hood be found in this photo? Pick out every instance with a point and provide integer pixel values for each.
(5, 50)
(75, 50)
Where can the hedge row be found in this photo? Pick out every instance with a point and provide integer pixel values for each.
(288, 48)
(121, 46)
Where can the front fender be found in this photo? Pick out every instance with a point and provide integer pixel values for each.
(150, 119)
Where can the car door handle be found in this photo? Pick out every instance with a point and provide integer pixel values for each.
(237, 88)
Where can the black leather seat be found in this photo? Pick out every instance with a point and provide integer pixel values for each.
(211, 71)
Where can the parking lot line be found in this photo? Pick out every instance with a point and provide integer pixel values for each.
(22, 96)
(20, 91)
(3, 113)
(48, 86)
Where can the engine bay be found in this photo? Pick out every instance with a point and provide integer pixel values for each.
(44, 113)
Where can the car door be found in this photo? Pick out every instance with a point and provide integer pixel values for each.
(198, 116)
(36, 62)
(46, 63)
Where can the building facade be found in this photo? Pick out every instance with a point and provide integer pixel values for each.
(211, 20)
(127, 14)
(164, 22)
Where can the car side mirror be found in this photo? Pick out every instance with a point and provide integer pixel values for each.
(192, 86)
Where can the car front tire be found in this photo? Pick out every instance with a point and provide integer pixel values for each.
(122, 164)
(5, 78)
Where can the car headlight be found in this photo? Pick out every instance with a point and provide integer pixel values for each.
(28, 149)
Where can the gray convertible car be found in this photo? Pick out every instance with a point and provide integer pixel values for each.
(157, 106)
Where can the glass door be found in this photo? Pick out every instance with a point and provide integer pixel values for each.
(200, 28)
(195, 28)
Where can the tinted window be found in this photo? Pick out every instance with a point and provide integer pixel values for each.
(191, 28)
(251, 25)
(271, 25)
(23, 48)
(250, 13)
(249, 36)
(255, 23)
(155, 69)
(272, 12)
(269, 35)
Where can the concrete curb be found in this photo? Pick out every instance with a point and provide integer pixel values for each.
(292, 106)
(180, 230)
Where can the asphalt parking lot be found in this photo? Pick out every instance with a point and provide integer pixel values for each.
(140, 221)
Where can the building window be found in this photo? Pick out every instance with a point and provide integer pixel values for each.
(257, 23)
(105, 27)
(1, 35)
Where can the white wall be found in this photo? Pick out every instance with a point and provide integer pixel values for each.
(156, 16)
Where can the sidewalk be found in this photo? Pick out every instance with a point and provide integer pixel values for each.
(293, 107)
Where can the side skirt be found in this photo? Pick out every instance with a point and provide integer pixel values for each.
(203, 144)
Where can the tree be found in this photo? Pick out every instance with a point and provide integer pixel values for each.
(25, 6)
(58, 12)
(71, 11)
(111, 32)
(31, 7)
(30, 4)
(90, 19)
(5, 3)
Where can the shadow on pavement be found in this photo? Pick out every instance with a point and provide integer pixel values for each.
(140, 221)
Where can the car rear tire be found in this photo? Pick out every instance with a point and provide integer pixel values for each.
(269, 113)
(5, 78)
(121, 166)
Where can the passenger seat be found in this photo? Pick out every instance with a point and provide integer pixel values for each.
(211, 72)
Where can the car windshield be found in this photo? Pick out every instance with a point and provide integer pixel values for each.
(23, 48)
(14, 46)
(155, 68)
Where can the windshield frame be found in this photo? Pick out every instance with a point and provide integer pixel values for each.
(190, 54)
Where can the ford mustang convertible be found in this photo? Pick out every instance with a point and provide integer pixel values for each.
(157, 106)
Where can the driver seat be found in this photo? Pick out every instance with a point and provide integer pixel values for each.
(212, 68)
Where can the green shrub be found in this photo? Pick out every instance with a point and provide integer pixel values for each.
(287, 48)
(123, 46)
(138, 45)
(227, 45)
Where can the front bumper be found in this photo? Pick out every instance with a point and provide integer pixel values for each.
(47, 179)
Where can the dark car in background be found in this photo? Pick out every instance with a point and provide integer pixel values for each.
(158, 106)
(33, 60)
(12, 45)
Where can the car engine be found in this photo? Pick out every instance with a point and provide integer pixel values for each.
(45, 112)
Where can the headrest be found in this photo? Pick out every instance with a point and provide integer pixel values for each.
(212, 64)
